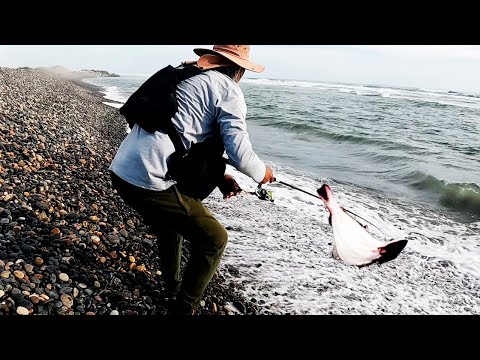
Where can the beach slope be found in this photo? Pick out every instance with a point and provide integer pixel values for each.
(68, 244)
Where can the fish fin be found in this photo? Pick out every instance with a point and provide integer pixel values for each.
(322, 192)
(391, 250)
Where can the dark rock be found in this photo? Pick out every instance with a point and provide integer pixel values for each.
(83, 279)
(53, 260)
(14, 248)
(51, 269)
(42, 205)
(147, 243)
(72, 216)
(82, 258)
(25, 303)
(16, 292)
(65, 290)
(234, 271)
(26, 249)
(42, 310)
(101, 311)
(113, 239)
(239, 306)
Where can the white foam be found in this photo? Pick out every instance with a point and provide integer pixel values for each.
(437, 273)
(283, 255)
(115, 105)
(114, 93)
(425, 95)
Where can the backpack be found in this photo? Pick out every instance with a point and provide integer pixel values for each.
(198, 170)
(154, 103)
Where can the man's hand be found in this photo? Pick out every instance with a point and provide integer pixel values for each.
(229, 187)
(269, 178)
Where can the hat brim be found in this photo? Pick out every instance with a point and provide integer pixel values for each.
(210, 61)
(246, 64)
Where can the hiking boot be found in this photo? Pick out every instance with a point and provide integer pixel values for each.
(171, 290)
(178, 309)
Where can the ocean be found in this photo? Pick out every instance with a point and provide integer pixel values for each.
(408, 159)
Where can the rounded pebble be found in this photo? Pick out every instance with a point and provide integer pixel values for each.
(19, 274)
(22, 311)
(66, 300)
(35, 299)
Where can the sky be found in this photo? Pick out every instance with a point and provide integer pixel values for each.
(443, 67)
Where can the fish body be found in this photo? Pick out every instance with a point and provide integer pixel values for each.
(353, 243)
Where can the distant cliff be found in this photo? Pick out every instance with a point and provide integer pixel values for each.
(102, 73)
(64, 73)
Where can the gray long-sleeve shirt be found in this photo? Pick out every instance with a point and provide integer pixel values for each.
(204, 101)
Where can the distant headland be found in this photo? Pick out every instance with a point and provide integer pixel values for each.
(102, 73)
(63, 72)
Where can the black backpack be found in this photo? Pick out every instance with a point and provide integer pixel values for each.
(154, 103)
(197, 170)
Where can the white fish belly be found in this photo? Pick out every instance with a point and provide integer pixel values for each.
(353, 243)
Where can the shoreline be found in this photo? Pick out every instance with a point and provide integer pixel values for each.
(56, 203)
(77, 78)
(94, 88)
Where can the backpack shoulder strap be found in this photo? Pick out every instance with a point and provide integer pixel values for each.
(184, 71)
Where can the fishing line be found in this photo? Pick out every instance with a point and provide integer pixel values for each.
(348, 211)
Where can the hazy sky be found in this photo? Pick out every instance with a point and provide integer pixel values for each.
(446, 67)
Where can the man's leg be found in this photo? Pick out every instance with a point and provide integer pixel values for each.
(160, 211)
(170, 252)
(168, 212)
(208, 239)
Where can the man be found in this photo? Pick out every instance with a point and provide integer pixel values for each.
(209, 104)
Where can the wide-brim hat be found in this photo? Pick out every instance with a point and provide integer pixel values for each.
(238, 54)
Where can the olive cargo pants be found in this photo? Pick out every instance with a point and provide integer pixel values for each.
(170, 217)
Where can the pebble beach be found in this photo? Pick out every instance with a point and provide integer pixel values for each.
(68, 244)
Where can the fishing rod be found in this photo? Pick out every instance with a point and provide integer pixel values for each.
(297, 188)
(348, 211)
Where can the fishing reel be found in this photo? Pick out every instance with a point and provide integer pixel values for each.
(264, 194)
